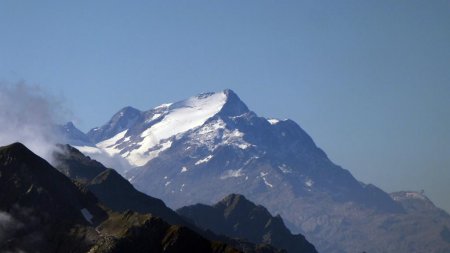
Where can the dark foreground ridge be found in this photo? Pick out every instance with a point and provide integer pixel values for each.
(118, 194)
(42, 210)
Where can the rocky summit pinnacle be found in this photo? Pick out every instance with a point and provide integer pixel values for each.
(233, 105)
(120, 121)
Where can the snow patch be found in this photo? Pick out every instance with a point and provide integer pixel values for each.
(285, 169)
(146, 152)
(163, 106)
(267, 183)
(204, 160)
(250, 160)
(216, 134)
(309, 183)
(87, 215)
(155, 116)
(415, 195)
(244, 146)
(235, 137)
(232, 173)
(110, 145)
(273, 121)
(263, 176)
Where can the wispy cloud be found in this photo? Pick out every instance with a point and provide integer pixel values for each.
(20, 231)
(28, 115)
(8, 225)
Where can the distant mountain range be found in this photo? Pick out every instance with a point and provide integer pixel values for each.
(206, 147)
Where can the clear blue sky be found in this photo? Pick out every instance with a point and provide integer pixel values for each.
(369, 80)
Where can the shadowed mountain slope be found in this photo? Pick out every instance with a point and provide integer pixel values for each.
(41, 210)
(118, 194)
(235, 216)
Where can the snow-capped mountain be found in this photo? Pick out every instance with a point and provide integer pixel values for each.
(140, 136)
(218, 132)
(211, 145)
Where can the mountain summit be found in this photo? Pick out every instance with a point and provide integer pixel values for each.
(122, 120)
(140, 136)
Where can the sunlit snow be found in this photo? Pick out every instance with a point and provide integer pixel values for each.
(109, 145)
(146, 152)
(273, 121)
(285, 169)
(215, 134)
(155, 116)
(231, 174)
(204, 160)
(173, 120)
(309, 183)
(263, 176)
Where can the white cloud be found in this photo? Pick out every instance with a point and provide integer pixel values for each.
(28, 115)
